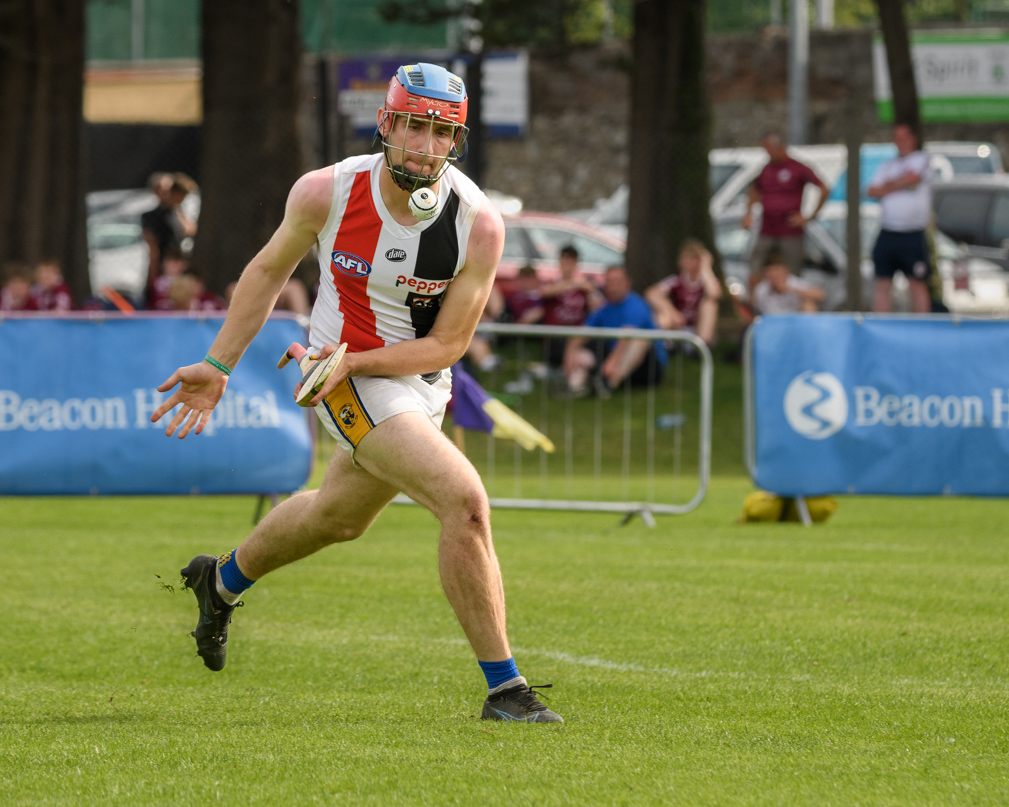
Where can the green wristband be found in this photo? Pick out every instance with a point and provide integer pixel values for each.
(211, 360)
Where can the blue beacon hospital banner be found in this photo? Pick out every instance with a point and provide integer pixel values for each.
(901, 406)
(77, 393)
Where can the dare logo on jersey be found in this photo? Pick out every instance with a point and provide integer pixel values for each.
(396, 255)
(351, 264)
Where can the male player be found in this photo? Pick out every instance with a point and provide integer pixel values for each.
(405, 295)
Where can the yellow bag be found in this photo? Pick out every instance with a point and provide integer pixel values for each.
(763, 506)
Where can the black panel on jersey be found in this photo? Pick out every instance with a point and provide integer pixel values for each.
(438, 251)
(423, 311)
(437, 255)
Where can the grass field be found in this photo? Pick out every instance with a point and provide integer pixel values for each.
(860, 662)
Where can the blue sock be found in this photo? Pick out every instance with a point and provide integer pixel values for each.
(497, 672)
(230, 581)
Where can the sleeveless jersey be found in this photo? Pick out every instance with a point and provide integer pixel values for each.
(382, 282)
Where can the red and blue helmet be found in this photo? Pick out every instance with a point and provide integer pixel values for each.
(432, 96)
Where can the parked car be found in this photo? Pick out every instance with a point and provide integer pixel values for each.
(537, 238)
(971, 284)
(974, 212)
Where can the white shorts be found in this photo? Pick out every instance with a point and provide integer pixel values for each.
(358, 405)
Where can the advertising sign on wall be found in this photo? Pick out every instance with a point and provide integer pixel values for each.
(362, 84)
(960, 75)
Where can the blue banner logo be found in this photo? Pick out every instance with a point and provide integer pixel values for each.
(816, 405)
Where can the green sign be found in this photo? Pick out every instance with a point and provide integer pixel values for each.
(961, 76)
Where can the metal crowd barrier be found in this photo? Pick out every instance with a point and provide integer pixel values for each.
(640, 451)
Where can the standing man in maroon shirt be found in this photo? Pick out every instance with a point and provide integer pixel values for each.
(779, 189)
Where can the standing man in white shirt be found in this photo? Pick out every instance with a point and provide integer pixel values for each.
(903, 186)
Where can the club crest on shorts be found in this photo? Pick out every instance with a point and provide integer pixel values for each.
(348, 415)
(350, 264)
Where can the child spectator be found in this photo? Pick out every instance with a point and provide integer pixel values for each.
(173, 267)
(688, 300)
(189, 293)
(15, 294)
(50, 292)
(783, 293)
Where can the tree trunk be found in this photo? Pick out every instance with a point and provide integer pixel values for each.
(251, 155)
(670, 137)
(41, 100)
(898, 60)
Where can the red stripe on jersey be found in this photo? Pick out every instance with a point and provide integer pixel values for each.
(357, 237)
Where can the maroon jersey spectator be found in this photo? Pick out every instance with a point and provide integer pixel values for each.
(567, 301)
(688, 300)
(779, 189)
(15, 294)
(781, 185)
(50, 292)
(525, 303)
(159, 290)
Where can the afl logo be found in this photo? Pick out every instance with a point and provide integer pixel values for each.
(351, 264)
(396, 255)
(816, 405)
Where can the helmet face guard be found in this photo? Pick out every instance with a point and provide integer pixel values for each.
(427, 98)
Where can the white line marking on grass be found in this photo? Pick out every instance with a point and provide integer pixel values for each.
(583, 661)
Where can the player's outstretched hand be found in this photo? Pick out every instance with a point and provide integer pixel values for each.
(201, 387)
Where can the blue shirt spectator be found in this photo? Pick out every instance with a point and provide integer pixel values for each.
(631, 312)
(639, 362)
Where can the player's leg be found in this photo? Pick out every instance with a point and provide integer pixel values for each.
(345, 505)
(348, 500)
(411, 453)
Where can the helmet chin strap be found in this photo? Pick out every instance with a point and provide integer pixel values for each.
(408, 180)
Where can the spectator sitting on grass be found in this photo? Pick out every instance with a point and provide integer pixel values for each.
(638, 361)
(525, 303)
(689, 299)
(782, 293)
(566, 301)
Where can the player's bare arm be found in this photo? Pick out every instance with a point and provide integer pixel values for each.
(455, 325)
(201, 385)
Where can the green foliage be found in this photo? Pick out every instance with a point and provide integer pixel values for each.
(749, 15)
(520, 23)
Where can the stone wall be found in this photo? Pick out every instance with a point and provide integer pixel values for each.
(577, 147)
